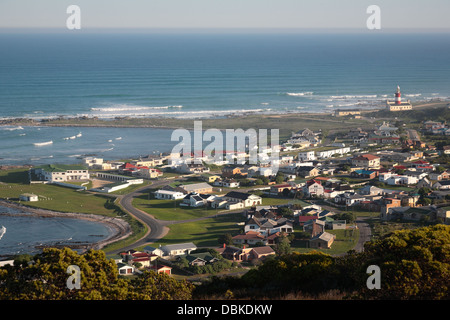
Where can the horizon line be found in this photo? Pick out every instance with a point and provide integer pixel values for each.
(218, 30)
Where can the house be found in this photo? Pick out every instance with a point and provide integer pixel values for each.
(194, 199)
(245, 254)
(442, 185)
(280, 188)
(28, 197)
(60, 173)
(227, 183)
(199, 259)
(229, 172)
(250, 237)
(246, 199)
(125, 269)
(202, 187)
(260, 252)
(210, 178)
(189, 168)
(154, 251)
(267, 226)
(366, 161)
(366, 174)
(178, 249)
(438, 176)
(313, 188)
(161, 269)
(169, 195)
(307, 171)
(323, 240)
(150, 173)
(306, 156)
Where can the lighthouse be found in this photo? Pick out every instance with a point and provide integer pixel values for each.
(398, 96)
(397, 104)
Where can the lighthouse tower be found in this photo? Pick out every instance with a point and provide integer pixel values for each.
(398, 96)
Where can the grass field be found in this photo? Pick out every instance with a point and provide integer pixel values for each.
(203, 233)
(52, 197)
(170, 209)
(344, 242)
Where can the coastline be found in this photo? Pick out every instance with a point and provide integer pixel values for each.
(211, 122)
(118, 228)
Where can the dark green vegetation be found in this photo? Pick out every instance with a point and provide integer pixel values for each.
(47, 277)
(414, 264)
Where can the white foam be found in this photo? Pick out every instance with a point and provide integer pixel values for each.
(40, 144)
(125, 107)
(300, 94)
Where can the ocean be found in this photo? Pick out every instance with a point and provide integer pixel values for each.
(109, 75)
(25, 232)
(189, 76)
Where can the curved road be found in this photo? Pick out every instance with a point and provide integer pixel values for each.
(157, 228)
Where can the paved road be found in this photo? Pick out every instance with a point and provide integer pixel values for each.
(156, 228)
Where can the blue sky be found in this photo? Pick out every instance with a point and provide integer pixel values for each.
(268, 14)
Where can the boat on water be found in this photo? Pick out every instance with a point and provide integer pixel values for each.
(38, 144)
(2, 231)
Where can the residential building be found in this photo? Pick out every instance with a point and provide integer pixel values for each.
(202, 187)
(28, 197)
(246, 199)
(169, 195)
(306, 156)
(366, 161)
(178, 249)
(60, 173)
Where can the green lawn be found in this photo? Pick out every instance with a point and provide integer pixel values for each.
(203, 233)
(170, 209)
(52, 197)
(343, 243)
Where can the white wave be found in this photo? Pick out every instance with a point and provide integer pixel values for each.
(264, 103)
(39, 144)
(12, 128)
(413, 95)
(300, 94)
(119, 138)
(329, 106)
(124, 107)
(75, 156)
(22, 134)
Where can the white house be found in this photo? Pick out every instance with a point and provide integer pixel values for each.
(61, 173)
(246, 199)
(28, 197)
(169, 195)
(306, 156)
(178, 249)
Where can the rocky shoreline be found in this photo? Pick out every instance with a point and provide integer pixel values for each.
(119, 228)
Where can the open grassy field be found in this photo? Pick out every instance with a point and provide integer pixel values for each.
(170, 209)
(203, 233)
(52, 197)
(344, 242)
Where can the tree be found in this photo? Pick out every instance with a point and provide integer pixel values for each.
(279, 178)
(415, 264)
(46, 278)
(226, 239)
(282, 246)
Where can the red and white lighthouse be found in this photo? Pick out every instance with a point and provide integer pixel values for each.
(398, 96)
